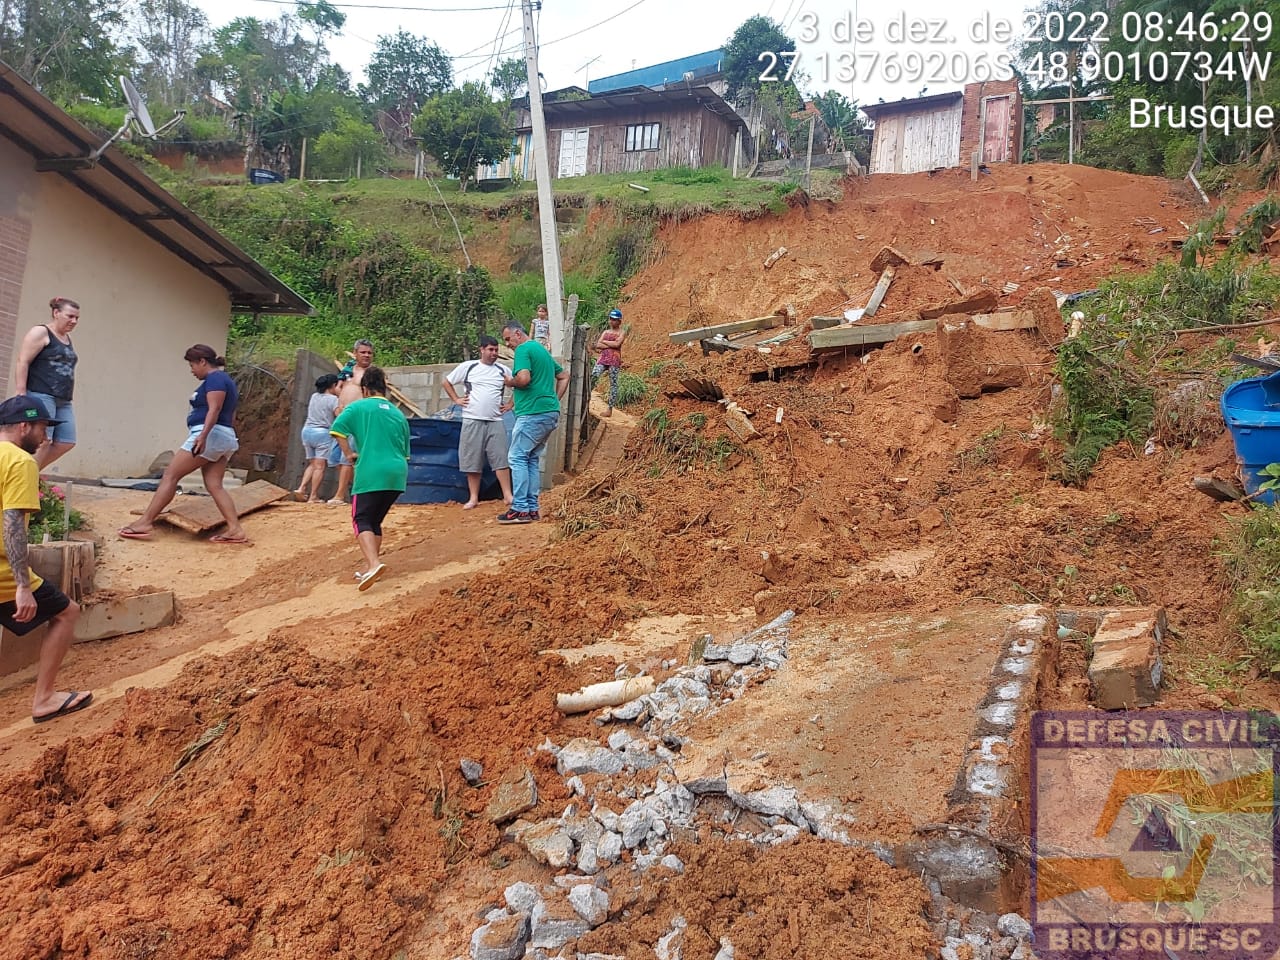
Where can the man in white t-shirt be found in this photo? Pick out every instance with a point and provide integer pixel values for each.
(476, 386)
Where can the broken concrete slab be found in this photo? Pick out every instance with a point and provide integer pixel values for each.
(888, 257)
(1125, 670)
(548, 843)
(590, 903)
(581, 755)
(501, 939)
(517, 793)
(555, 923)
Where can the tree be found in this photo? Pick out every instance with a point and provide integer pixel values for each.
(65, 49)
(463, 128)
(741, 62)
(351, 145)
(167, 34)
(509, 78)
(845, 121)
(404, 73)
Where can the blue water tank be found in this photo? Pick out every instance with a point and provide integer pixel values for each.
(1251, 409)
(434, 476)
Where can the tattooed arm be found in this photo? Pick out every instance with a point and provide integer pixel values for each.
(15, 548)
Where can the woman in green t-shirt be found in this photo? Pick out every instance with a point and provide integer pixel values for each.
(381, 466)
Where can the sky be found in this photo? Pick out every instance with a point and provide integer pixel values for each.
(858, 48)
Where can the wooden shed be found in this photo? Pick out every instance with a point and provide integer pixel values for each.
(628, 131)
(944, 130)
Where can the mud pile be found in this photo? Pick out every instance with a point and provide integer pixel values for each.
(273, 803)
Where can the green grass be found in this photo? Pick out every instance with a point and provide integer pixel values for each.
(676, 191)
(1252, 561)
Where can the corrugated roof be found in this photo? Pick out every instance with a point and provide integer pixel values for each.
(643, 97)
(45, 131)
(700, 65)
(915, 103)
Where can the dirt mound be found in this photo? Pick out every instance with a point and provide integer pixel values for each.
(1030, 225)
(275, 802)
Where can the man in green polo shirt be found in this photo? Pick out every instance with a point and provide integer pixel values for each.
(537, 383)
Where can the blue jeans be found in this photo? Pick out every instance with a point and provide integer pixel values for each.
(528, 440)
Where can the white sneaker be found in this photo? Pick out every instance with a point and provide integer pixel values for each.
(367, 579)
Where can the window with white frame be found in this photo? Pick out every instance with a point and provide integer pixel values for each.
(642, 136)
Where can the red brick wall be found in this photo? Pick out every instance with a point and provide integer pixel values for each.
(971, 118)
(15, 237)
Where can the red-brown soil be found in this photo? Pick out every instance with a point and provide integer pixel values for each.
(327, 815)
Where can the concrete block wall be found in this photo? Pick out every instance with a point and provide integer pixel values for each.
(971, 117)
(422, 384)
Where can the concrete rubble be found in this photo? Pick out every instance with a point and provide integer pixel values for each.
(618, 821)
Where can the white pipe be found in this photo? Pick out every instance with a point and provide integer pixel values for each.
(611, 693)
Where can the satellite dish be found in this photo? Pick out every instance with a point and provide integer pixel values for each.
(137, 108)
(136, 116)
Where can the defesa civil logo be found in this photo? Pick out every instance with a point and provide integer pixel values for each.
(1154, 834)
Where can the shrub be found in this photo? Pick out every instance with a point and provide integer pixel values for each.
(1252, 562)
(53, 517)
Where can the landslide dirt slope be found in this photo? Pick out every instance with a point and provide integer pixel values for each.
(328, 815)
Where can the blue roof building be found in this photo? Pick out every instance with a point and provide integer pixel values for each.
(698, 68)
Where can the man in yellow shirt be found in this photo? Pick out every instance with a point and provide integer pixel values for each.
(26, 601)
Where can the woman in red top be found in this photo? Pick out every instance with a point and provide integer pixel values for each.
(609, 346)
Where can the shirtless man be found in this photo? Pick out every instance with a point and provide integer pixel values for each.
(350, 393)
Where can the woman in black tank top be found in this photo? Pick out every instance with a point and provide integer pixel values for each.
(46, 368)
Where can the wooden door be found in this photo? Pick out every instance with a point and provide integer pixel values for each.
(573, 152)
(995, 129)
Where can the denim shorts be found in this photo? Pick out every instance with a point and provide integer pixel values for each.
(317, 443)
(335, 452)
(219, 444)
(60, 410)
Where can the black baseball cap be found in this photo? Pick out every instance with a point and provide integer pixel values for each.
(25, 408)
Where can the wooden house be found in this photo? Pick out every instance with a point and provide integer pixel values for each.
(627, 131)
(945, 129)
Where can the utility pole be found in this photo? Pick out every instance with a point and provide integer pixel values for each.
(561, 344)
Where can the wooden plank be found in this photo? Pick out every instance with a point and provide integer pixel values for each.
(1007, 320)
(877, 295)
(981, 301)
(121, 615)
(66, 564)
(200, 514)
(737, 326)
(98, 621)
(872, 334)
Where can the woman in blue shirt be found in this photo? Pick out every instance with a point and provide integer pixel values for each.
(211, 440)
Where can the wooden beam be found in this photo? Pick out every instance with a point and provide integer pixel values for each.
(114, 618)
(877, 295)
(737, 326)
(1006, 320)
(200, 514)
(871, 334)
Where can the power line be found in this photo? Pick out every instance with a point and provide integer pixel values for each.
(593, 26)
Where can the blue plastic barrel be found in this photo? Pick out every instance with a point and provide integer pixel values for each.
(1251, 409)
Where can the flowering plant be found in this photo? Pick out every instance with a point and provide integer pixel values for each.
(53, 517)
